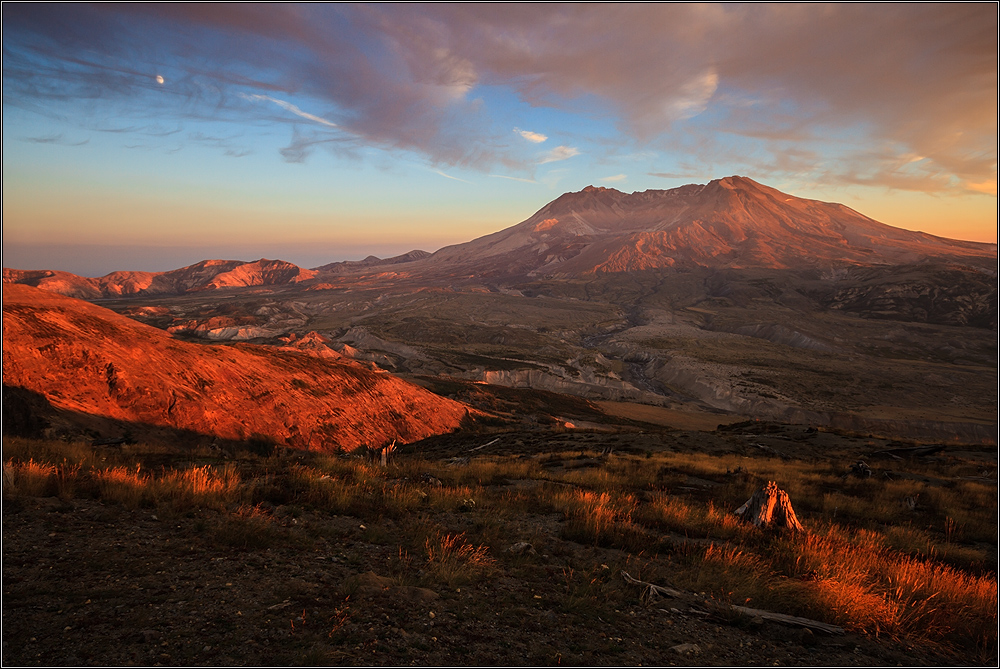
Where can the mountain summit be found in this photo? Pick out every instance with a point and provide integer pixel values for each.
(728, 223)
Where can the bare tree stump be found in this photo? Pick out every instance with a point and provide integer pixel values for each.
(770, 507)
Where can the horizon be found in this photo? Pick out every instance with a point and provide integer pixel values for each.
(159, 136)
(164, 259)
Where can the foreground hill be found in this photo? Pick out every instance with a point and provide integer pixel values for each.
(728, 223)
(205, 275)
(106, 370)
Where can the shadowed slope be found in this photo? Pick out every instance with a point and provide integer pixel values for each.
(87, 359)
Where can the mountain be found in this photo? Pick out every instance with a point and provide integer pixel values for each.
(205, 275)
(728, 223)
(372, 261)
(82, 368)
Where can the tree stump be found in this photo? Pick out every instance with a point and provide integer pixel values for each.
(770, 507)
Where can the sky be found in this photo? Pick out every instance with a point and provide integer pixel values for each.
(149, 137)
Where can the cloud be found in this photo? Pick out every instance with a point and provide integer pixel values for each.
(988, 187)
(672, 175)
(229, 145)
(559, 153)
(448, 176)
(617, 177)
(535, 137)
(305, 141)
(693, 96)
(501, 176)
(53, 139)
(918, 78)
(290, 107)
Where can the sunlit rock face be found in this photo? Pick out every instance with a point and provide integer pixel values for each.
(92, 366)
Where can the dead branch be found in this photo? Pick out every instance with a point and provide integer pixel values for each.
(785, 619)
(651, 588)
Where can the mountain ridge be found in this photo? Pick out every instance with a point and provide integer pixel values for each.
(729, 223)
(203, 275)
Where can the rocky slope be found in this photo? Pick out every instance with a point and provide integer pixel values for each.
(91, 369)
(205, 275)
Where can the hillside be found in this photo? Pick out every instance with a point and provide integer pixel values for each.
(101, 372)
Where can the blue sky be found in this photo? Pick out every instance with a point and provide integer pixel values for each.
(154, 136)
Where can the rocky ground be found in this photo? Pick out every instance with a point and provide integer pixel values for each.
(90, 584)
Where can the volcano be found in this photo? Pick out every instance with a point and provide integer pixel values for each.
(729, 223)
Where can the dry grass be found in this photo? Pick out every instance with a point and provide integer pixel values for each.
(451, 558)
(869, 562)
(29, 479)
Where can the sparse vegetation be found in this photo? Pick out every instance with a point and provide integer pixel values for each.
(923, 575)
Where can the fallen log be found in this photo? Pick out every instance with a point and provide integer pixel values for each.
(783, 618)
(915, 451)
(794, 621)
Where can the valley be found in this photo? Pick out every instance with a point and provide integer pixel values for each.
(456, 458)
(767, 348)
(729, 298)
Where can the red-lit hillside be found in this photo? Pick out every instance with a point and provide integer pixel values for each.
(91, 363)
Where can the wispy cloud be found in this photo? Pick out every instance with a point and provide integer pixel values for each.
(501, 176)
(988, 187)
(672, 175)
(448, 176)
(534, 137)
(53, 139)
(289, 107)
(617, 177)
(559, 153)
(230, 146)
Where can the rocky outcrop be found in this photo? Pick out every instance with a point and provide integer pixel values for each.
(924, 294)
(779, 334)
(590, 386)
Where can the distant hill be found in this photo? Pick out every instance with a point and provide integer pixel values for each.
(91, 369)
(728, 223)
(205, 275)
(371, 261)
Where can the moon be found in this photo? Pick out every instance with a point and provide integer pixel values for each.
(159, 79)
